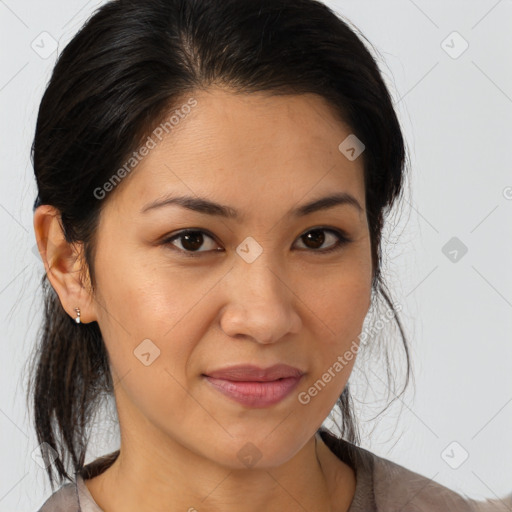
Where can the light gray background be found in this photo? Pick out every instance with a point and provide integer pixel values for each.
(457, 118)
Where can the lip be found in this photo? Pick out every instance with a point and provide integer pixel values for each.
(254, 386)
(249, 372)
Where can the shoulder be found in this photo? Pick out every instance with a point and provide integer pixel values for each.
(399, 488)
(74, 496)
(64, 499)
(385, 486)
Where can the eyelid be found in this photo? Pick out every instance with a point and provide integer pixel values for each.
(167, 241)
(340, 234)
(342, 239)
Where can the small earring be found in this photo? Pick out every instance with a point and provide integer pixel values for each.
(77, 319)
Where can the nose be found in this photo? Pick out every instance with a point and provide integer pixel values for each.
(260, 303)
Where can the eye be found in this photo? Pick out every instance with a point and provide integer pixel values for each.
(315, 238)
(192, 239)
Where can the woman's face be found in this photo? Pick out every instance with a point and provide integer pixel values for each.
(256, 289)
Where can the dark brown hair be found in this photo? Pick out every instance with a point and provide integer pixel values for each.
(130, 64)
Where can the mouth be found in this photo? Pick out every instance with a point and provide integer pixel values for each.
(255, 393)
(253, 386)
(248, 372)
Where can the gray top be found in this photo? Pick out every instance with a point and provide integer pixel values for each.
(381, 486)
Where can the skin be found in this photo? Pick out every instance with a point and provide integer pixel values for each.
(180, 437)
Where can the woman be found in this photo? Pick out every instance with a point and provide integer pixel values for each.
(213, 179)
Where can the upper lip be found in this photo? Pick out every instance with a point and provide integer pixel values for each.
(255, 373)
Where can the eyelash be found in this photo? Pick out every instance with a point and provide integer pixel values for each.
(343, 240)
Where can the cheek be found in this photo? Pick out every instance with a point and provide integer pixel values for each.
(345, 311)
(143, 296)
(338, 303)
(143, 318)
(339, 300)
(151, 331)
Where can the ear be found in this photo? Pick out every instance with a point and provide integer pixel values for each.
(64, 263)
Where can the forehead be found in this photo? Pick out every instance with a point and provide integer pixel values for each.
(248, 149)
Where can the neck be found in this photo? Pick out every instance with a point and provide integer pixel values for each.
(178, 479)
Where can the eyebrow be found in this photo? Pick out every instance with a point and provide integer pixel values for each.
(203, 205)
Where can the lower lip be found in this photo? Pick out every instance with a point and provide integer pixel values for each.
(255, 394)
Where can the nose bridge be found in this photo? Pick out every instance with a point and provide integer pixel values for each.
(259, 302)
(263, 279)
(258, 268)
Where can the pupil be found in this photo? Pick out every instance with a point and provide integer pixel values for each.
(319, 238)
(193, 240)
